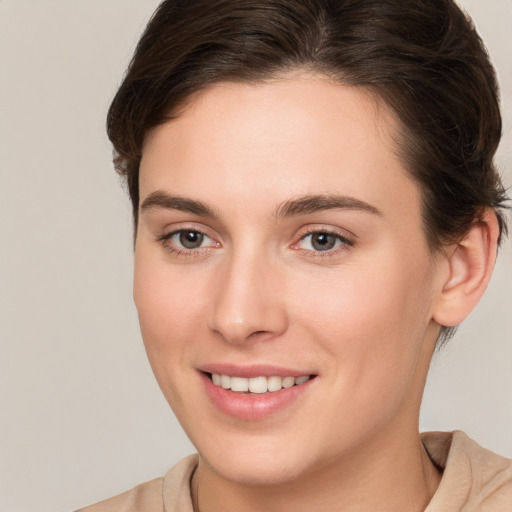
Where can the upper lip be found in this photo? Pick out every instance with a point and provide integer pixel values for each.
(253, 370)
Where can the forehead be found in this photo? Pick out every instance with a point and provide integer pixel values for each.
(273, 140)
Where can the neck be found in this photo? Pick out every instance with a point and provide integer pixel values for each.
(390, 476)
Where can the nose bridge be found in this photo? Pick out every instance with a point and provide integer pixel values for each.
(248, 299)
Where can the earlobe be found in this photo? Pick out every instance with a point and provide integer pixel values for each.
(470, 263)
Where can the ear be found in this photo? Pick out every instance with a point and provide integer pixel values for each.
(470, 265)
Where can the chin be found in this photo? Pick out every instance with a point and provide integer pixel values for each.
(261, 463)
(258, 472)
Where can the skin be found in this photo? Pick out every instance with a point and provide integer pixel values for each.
(361, 317)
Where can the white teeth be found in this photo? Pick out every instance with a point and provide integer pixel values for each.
(239, 384)
(301, 380)
(257, 384)
(274, 383)
(225, 381)
(288, 382)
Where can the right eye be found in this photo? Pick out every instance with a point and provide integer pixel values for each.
(184, 241)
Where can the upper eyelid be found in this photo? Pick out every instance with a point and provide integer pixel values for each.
(168, 231)
(170, 234)
(342, 233)
(343, 239)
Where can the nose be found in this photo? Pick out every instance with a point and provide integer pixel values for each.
(249, 303)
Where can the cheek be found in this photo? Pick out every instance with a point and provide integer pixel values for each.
(164, 294)
(169, 309)
(371, 319)
(351, 304)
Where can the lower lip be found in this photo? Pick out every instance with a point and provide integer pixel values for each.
(252, 406)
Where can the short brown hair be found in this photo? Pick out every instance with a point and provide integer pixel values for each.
(424, 58)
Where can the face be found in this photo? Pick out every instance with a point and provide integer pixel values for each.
(282, 276)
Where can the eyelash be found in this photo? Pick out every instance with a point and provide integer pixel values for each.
(343, 243)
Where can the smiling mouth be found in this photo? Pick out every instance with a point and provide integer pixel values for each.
(257, 385)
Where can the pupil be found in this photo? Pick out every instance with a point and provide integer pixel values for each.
(323, 241)
(191, 239)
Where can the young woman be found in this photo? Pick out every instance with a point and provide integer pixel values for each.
(316, 208)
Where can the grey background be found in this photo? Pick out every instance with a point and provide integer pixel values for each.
(81, 417)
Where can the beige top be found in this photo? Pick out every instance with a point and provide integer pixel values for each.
(474, 480)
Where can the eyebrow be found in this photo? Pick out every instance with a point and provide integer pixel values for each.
(166, 201)
(315, 203)
(302, 205)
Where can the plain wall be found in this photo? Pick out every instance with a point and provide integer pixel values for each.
(81, 417)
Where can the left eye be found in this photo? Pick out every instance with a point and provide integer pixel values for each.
(322, 241)
(190, 239)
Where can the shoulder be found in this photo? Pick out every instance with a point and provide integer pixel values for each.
(146, 496)
(157, 495)
(474, 478)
